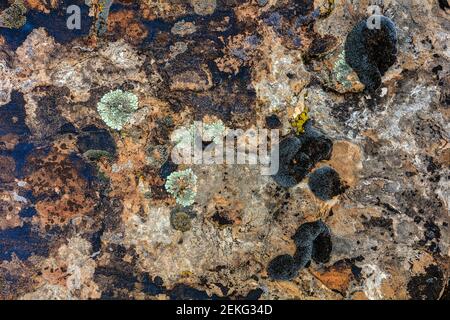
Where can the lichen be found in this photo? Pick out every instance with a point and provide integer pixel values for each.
(372, 52)
(14, 16)
(117, 107)
(325, 183)
(214, 132)
(183, 186)
(299, 154)
(342, 71)
(299, 121)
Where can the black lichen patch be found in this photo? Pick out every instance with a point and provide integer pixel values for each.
(316, 145)
(283, 267)
(313, 241)
(322, 247)
(221, 219)
(371, 52)
(325, 183)
(23, 242)
(299, 154)
(427, 286)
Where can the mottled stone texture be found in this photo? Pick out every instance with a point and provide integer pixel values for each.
(84, 213)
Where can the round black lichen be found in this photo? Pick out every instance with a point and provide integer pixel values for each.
(313, 241)
(325, 183)
(322, 247)
(302, 256)
(371, 52)
(315, 144)
(282, 268)
(308, 232)
(273, 122)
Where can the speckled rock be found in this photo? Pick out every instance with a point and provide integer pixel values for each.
(84, 209)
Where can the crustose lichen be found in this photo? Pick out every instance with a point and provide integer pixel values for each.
(183, 186)
(117, 107)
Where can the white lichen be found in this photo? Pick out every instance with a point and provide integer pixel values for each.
(183, 186)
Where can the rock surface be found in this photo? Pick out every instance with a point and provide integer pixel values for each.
(84, 213)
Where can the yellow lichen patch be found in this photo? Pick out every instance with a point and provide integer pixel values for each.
(300, 120)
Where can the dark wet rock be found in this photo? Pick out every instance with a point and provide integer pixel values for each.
(372, 52)
(167, 168)
(54, 22)
(313, 242)
(23, 242)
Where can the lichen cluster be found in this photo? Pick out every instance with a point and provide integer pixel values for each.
(183, 186)
(117, 107)
(299, 154)
(299, 121)
(372, 52)
(313, 242)
(214, 131)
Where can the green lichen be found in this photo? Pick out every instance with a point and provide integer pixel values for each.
(342, 70)
(117, 107)
(299, 121)
(183, 186)
(14, 16)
